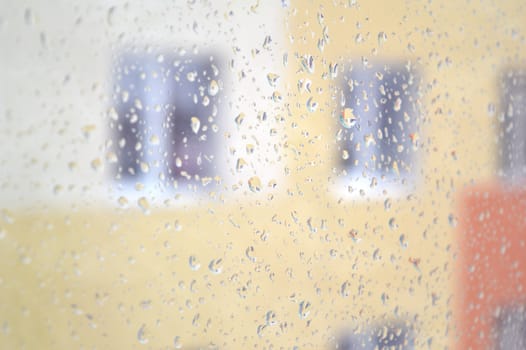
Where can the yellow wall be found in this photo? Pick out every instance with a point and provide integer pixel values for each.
(106, 261)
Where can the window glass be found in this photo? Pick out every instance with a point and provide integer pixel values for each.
(248, 174)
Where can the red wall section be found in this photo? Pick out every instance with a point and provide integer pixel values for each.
(491, 262)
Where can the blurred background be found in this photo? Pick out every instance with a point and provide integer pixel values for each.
(278, 174)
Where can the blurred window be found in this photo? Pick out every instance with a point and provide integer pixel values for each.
(377, 115)
(166, 107)
(513, 125)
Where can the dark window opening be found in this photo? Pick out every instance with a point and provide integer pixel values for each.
(167, 108)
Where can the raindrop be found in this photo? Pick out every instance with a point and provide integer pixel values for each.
(397, 104)
(215, 266)
(144, 205)
(453, 221)
(304, 309)
(491, 109)
(195, 123)
(249, 254)
(239, 119)
(177, 342)
(403, 241)
(311, 105)
(213, 88)
(387, 204)
(254, 183)
(270, 318)
(240, 164)
(345, 289)
(260, 330)
(141, 336)
(308, 63)
(273, 79)
(382, 38)
(392, 224)
(347, 118)
(194, 263)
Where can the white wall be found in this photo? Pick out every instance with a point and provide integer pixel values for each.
(56, 76)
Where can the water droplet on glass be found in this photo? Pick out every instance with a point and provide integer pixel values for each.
(311, 105)
(392, 224)
(240, 164)
(304, 309)
(254, 183)
(397, 104)
(491, 109)
(453, 221)
(195, 124)
(347, 118)
(403, 241)
(144, 205)
(270, 318)
(382, 38)
(177, 342)
(387, 204)
(239, 119)
(345, 289)
(273, 79)
(194, 263)
(249, 253)
(213, 88)
(215, 266)
(260, 330)
(141, 335)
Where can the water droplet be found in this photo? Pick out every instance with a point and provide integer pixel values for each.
(453, 221)
(347, 118)
(249, 254)
(273, 79)
(260, 330)
(213, 88)
(397, 104)
(144, 205)
(387, 204)
(308, 63)
(311, 105)
(195, 320)
(177, 342)
(240, 164)
(403, 241)
(239, 119)
(154, 140)
(215, 266)
(321, 44)
(190, 76)
(141, 335)
(195, 124)
(345, 289)
(194, 263)
(382, 38)
(358, 38)
(270, 318)
(392, 224)
(491, 109)
(304, 309)
(276, 96)
(254, 183)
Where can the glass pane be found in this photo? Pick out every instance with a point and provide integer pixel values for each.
(325, 174)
